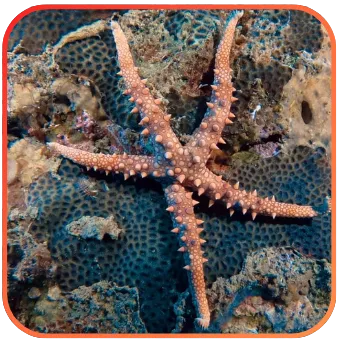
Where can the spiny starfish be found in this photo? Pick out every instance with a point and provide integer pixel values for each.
(185, 165)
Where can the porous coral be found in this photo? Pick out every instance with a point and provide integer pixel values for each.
(146, 258)
(39, 28)
(307, 101)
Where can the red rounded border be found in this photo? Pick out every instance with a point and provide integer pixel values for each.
(4, 168)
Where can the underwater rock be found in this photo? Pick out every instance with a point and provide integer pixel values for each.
(27, 160)
(271, 46)
(81, 94)
(33, 259)
(100, 308)
(105, 308)
(95, 228)
(278, 290)
(30, 101)
(267, 150)
(34, 293)
(50, 312)
(12, 169)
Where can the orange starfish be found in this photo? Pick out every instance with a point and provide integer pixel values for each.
(185, 165)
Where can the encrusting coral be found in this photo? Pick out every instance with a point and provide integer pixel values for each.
(184, 167)
(94, 227)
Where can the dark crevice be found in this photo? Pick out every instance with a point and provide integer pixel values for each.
(62, 99)
(272, 138)
(306, 112)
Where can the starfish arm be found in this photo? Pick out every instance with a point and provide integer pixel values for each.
(217, 189)
(218, 113)
(250, 202)
(153, 118)
(186, 226)
(126, 164)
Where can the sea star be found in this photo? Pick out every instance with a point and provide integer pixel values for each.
(184, 165)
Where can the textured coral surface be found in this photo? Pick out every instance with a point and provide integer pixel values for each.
(97, 250)
(100, 308)
(145, 256)
(278, 290)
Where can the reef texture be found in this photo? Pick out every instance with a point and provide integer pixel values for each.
(100, 308)
(185, 163)
(94, 227)
(278, 290)
(89, 228)
(26, 161)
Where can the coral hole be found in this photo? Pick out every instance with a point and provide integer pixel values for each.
(306, 112)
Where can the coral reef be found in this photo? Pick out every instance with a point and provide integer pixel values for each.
(100, 308)
(278, 290)
(145, 258)
(185, 163)
(74, 237)
(302, 177)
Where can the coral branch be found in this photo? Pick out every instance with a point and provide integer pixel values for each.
(208, 135)
(186, 226)
(126, 164)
